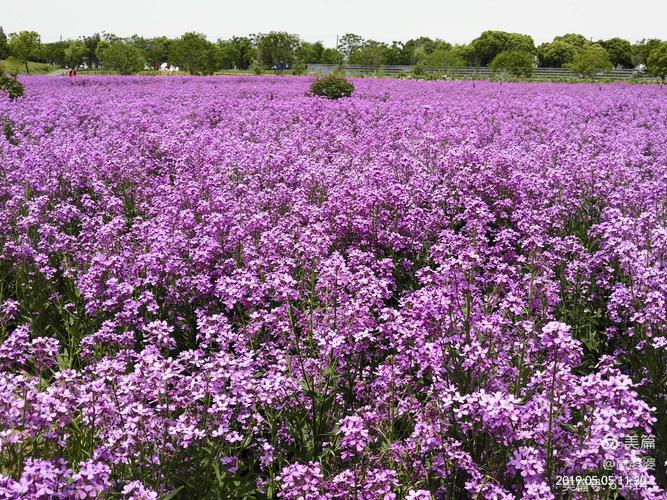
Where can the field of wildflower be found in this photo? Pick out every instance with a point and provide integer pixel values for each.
(226, 288)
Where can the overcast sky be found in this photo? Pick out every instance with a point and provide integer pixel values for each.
(385, 20)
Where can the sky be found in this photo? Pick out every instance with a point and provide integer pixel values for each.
(456, 21)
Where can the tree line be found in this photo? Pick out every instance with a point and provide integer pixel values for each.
(515, 53)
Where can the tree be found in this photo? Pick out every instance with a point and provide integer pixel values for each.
(4, 46)
(54, 53)
(277, 49)
(371, 55)
(195, 54)
(590, 61)
(90, 59)
(657, 61)
(641, 50)
(24, 46)
(310, 52)
(574, 39)
(556, 54)
(237, 52)
(122, 57)
(157, 51)
(444, 58)
(619, 50)
(393, 54)
(514, 62)
(491, 43)
(349, 43)
(74, 53)
(332, 56)
(416, 49)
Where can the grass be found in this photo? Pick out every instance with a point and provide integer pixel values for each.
(13, 67)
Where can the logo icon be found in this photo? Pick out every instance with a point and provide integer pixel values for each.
(609, 442)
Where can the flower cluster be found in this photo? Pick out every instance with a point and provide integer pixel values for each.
(223, 288)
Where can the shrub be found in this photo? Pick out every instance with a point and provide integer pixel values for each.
(11, 86)
(332, 87)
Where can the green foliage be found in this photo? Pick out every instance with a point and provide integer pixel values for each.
(4, 45)
(491, 43)
(11, 86)
(310, 52)
(24, 46)
(299, 68)
(444, 58)
(236, 53)
(74, 53)
(193, 53)
(256, 67)
(641, 50)
(619, 50)
(90, 59)
(371, 55)
(332, 87)
(157, 51)
(590, 61)
(657, 61)
(277, 49)
(121, 57)
(14, 67)
(348, 44)
(415, 50)
(556, 54)
(332, 56)
(516, 63)
(54, 53)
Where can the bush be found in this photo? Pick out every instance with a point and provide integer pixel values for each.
(11, 86)
(332, 87)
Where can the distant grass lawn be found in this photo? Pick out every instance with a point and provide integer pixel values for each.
(11, 66)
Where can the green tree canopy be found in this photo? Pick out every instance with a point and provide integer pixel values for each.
(25, 46)
(515, 63)
(619, 50)
(332, 56)
(371, 55)
(349, 43)
(122, 57)
(575, 39)
(277, 49)
(444, 58)
(157, 51)
(414, 50)
(90, 59)
(195, 54)
(590, 61)
(54, 53)
(491, 43)
(642, 49)
(657, 61)
(556, 54)
(74, 53)
(4, 45)
(310, 52)
(238, 52)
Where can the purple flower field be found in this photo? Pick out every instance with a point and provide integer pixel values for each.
(225, 288)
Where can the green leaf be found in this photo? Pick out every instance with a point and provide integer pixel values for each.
(171, 494)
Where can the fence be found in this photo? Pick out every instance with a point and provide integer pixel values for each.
(473, 72)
